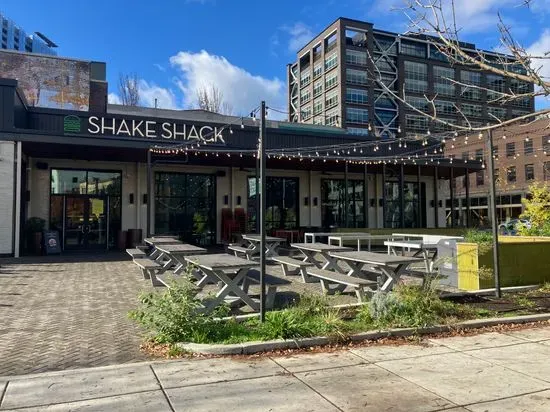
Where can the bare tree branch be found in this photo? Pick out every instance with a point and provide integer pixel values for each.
(128, 89)
(211, 99)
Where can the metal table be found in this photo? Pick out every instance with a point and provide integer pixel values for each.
(271, 244)
(390, 266)
(176, 253)
(231, 272)
(309, 251)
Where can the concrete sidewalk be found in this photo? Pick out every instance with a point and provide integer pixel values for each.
(488, 372)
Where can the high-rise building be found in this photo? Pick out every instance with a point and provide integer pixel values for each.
(15, 38)
(337, 78)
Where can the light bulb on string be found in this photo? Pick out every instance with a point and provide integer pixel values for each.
(480, 136)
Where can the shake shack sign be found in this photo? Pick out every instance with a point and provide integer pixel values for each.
(148, 129)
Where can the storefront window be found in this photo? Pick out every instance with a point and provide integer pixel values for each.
(333, 206)
(414, 215)
(281, 203)
(185, 204)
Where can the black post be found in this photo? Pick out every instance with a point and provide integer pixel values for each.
(346, 220)
(366, 195)
(467, 181)
(436, 196)
(401, 196)
(258, 190)
(383, 194)
(149, 197)
(262, 211)
(419, 205)
(493, 215)
(452, 192)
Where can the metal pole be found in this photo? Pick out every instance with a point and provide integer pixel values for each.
(419, 213)
(401, 196)
(149, 178)
(258, 190)
(346, 219)
(467, 197)
(262, 211)
(436, 196)
(18, 194)
(493, 214)
(383, 194)
(366, 196)
(452, 192)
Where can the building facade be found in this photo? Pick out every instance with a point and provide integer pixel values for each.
(522, 157)
(93, 172)
(15, 38)
(337, 78)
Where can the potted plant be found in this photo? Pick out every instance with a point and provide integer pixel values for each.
(34, 227)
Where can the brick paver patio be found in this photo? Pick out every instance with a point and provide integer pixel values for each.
(68, 312)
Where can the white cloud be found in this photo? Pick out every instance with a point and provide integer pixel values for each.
(300, 34)
(148, 92)
(539, 48)
(113, 98)
(160, 67)
(241, 89)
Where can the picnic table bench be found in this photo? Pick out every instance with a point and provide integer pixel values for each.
(312, 235)
(328, 277)
(149, 269)
(339, 239)
(310, 250)
(364, 264)
(421, 248)
(299, 265)
(175, 253)
(136, 253)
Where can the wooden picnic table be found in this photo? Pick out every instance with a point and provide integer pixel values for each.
(313, 235)
(175, 254)
(155, 242)
(271, 244)
(340, 239)
(310, 250)
(420, 247)
(392, 267)
(231, 272)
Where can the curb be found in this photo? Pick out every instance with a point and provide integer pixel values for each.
(248, 348)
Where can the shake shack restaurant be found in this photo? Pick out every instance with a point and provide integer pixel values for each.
(91, 174)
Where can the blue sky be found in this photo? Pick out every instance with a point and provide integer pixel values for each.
(241, 46)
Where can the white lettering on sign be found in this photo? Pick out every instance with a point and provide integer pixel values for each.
(152, 130)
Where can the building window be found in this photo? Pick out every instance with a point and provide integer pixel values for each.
(444, 107)
(185, 204)
(331, 61)
(498, 112)
(413, 213)
(333, 205)
(411, 48)
(529, 172)
(356, 57)
(331, 99)
(331, 42)
(305, 96)
(479, 155)
(437, 55)
(496, 83)
(305, 77)
(419, 103)
(510, 149)
(282, 205)
(318, 120)
(354, 115)
(385, 44)
(473, 79)
(511, 174)
(332, 118)
(317, 106)
(416, 123)
(495, 152)
(546, 170)
(480, 178)
(358, 131)
(317, 70)
(442, 84)
(528, 149)
(356, 76)
(306, 112)
(331, 80)
(356, 38)
(546, 145)
(357, 96)
(416, 77)
(317, 88)
(472, 110)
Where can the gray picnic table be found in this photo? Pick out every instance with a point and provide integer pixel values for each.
(230, 273)
(154, 242)
(310, 250)
(392, 267)
(271, 244)
(420, 247)
(175, 254)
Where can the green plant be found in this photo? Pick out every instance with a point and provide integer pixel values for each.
(483, 239)
(34, 225)
(284, 324)
(536, 209)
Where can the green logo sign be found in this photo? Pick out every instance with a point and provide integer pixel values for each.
(71, 124)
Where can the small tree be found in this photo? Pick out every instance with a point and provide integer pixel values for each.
(128, 89)
(211, 99)
(537, 210)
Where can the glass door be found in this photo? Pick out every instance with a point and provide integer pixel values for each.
(86, 222)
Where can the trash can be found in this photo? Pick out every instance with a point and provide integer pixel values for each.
(134, 237)
(121, 239)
